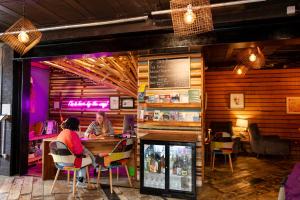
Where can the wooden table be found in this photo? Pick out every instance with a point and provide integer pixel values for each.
(96, 146)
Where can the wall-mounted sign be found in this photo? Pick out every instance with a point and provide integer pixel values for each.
(169, 73)
(293, 105)
(103, 104)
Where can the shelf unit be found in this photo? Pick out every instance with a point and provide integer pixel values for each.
(171, 123)
(166, 128)
(172, 105)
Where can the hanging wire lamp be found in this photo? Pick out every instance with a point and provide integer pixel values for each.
(22, 35)
(191, 17)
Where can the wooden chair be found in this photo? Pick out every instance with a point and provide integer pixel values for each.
(117, 158)
(224, 148)
(62, 156)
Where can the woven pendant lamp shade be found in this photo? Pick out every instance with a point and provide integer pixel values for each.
(203, 17)
(31, 36)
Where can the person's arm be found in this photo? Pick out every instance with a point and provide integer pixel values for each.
(89, 130)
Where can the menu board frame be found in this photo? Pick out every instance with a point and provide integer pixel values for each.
(173, 58)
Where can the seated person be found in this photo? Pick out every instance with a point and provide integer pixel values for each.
(100, 127)
(69, 137)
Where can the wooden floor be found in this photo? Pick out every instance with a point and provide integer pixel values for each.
(252, 179)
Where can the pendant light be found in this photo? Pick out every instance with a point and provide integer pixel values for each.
(22, 35)
(191, 17)
(240, 70)
(252, 57)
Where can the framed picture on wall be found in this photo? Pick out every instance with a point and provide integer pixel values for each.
(237, 101)
(114, 103)
(127, 103)
(293, 105)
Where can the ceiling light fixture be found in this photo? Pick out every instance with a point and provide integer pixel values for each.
(22, 35)
(189, 16)
(240, 70)
(252, 57)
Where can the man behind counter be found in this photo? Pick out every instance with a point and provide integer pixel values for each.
(100, 127)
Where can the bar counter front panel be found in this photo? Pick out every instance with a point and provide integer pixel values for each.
(96, 146)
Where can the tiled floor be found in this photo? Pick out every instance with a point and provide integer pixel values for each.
(252, 179)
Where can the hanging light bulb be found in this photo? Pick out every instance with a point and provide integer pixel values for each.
(189, 17)
(240, 70)
(23, 37)
(252, 57)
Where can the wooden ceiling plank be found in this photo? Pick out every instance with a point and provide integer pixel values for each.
(100, 62)
(126, 79)
(47, 11)
(127, 70)
(116, 62)
(76, 5)
(118, 67)
(133, 65)
(70, 68)
(10, 12)
(113, 80)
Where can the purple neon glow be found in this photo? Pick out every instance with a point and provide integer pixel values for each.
(89, 104)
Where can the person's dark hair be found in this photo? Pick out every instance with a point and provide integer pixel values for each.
(72, 123)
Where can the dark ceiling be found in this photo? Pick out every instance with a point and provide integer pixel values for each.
(61, 12)
(278, 54)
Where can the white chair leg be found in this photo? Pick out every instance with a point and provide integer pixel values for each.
(55, 179)
(98, 177)
(74, 183)
(129, 179)
(110, 180)
(68, 176)
(117, 173)
(88, 175)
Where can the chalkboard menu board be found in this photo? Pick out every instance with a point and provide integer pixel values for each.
(169, 73)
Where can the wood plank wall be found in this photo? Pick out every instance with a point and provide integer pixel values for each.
(66, 86)
(197, 82)
(265, 99)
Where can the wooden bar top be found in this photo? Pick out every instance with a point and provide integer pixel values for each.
(170, 138)
(104, 139)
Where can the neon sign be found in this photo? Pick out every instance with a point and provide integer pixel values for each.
(89, 104)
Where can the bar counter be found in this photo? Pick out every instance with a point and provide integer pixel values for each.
(96, 146)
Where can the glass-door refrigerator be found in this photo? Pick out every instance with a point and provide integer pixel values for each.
(168, 169)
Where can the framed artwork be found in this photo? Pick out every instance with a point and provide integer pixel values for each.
(293, 105)
(237, 101)
(127, 103)
(114, 103)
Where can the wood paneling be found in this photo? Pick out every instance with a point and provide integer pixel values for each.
(65, 86)
(167, 128)
(265, 94)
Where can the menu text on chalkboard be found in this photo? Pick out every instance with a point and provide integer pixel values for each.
(169, 73)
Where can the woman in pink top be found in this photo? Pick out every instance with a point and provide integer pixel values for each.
(70, 138)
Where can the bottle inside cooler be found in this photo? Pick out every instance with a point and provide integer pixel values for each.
(181, 168)
(154, 166)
